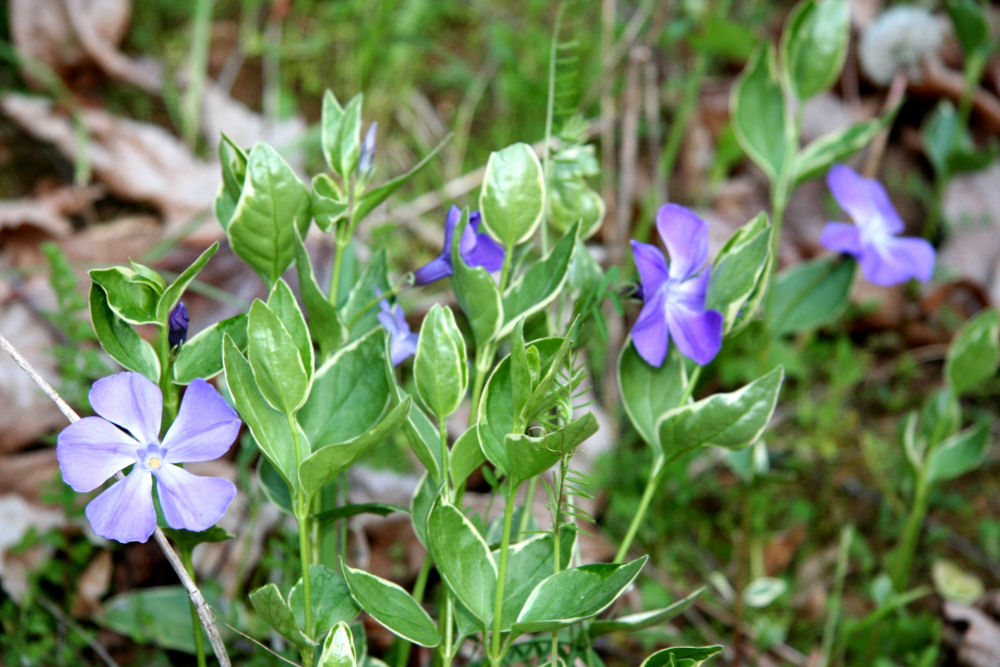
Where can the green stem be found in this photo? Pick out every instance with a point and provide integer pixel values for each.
(903, 560)
(447, 637)
(495, 653)
(834, 605)
(199, 638)
(484, 359)
(529, 501)
(302, 512)
(374, 302)
(689, 388)
(655, 476)
(167, 387)
(340, 243)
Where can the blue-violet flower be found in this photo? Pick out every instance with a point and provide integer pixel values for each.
(402, 341)
(177, 325)
(475, 248)
(885, 258)
(674, 293)
(126, 432)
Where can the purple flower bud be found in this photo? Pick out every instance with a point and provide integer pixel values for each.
(178, 325)
(365, 162)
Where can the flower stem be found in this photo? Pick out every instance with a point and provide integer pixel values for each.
(508, 517)
(903, 557)
(655, 476)
(302, 511)
(199, 639)
(167, 387)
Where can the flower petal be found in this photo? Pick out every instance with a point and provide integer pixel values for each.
(691, 293)
(436, 269)
(402, 347)
(686, 238)
(454, 215)
(125, 512)
(92, 450)
(650, 334)
(486, 253)
(864, 199)
(190, 501)
(132, 401)
(205, 427)
(841, 237)
(896, 260)
(653, 270)
(698, 334)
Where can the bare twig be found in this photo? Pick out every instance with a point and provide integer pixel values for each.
(197, 599)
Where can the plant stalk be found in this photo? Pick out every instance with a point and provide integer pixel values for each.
(495, 653)
(655, 477)
(199, 640)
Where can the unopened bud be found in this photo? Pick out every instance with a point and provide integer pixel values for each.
(367, 158)
(177, 324)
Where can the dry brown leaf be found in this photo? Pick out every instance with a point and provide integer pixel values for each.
(17, 516)
(48, 210)
(979, 643)
(92, 585)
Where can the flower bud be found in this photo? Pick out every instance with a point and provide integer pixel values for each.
(177, 323)
(366, 161)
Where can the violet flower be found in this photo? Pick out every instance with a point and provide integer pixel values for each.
(885, 258)
(402, 341)
(177, 325)
(675, 293)
(475, 248)
(126, 432)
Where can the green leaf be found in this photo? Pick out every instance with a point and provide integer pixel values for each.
(644, 619)
(940, 416)
(282, 303)
(338, 648)
(175, 291)
(233, 161)
(420, 505)
(392, 607)
(363, 294)
(647, 391)
(275, 360)
(758, 114)
(368, 201)
(814, 44)
(463, 559)
(572, 595)
(189, 539)
(146, 275)
(974, 354)
(331, 600)
(273, 204)
(269, 604)
(327, 203)
(681, 656)
(330, 120)
(948, 143)
(959, 454)
(329, 460)
(513, 196)
(763, 591)
(528, 456)
(466, 455)
(119, 339)
(738, 270)
(129, 295)
(159, 615)
(201, 355)
(440, 368)
(347, 511)
(528, 564)
(971, 27)
(348, 143)
(350, 392)
(324, 319)
(274, 485)
(269, 427)
(731, 420)
(725, 38)
(477, 294)
(540, 284)
(821, 153)
(424, 438)
(811, 294)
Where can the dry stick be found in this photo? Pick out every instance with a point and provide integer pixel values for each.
(197, 599)
(896, 91)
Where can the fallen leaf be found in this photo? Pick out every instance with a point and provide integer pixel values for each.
(979, 635)
(17, 517)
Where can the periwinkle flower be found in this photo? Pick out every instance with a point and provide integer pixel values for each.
(402, 341)
(177, 325)
(475, 248)
(126, 432)
(674, 293)
(367, 158)
(885, 258)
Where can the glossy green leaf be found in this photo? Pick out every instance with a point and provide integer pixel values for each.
(159, 615)
(959, 454)
(681, 656)
(739, 269)
(368, 201)
(274, 485)
(189, 539)
(329, 460)
(201, 355)
(974, 353)
(324, 318)
(347, 511)
(350, 392)
(572, 595)
(148, 276)
(528, 456)
(360, 310)
(273, 204)
(758, 114)
(477, 294)
(330, 119)
(129, 295)
(441, 368)
(119, 339)
(175, 291)
(282, 303)
(328, 204)
(269, 604)
(814, 45)
(732, 420)
(763, 591)
(647, 391)
(424, 438)
(338, 648)
(466, 455)
(513, 196)
(274, 357)
(331, 600)
(463, 559)
(940, 416)
(811, 294)
(529, 562)
(233, 160)
(270, 428)
(347, 148)
(420, 505)
(540, 284)
(644, 619)
(836, 146)
(392, 607)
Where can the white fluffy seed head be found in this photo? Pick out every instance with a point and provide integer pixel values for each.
(898, 41)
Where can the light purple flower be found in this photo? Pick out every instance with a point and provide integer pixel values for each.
(127, 433)
(675, 293)
(475, 248)
(885, 258)
(402, 341)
